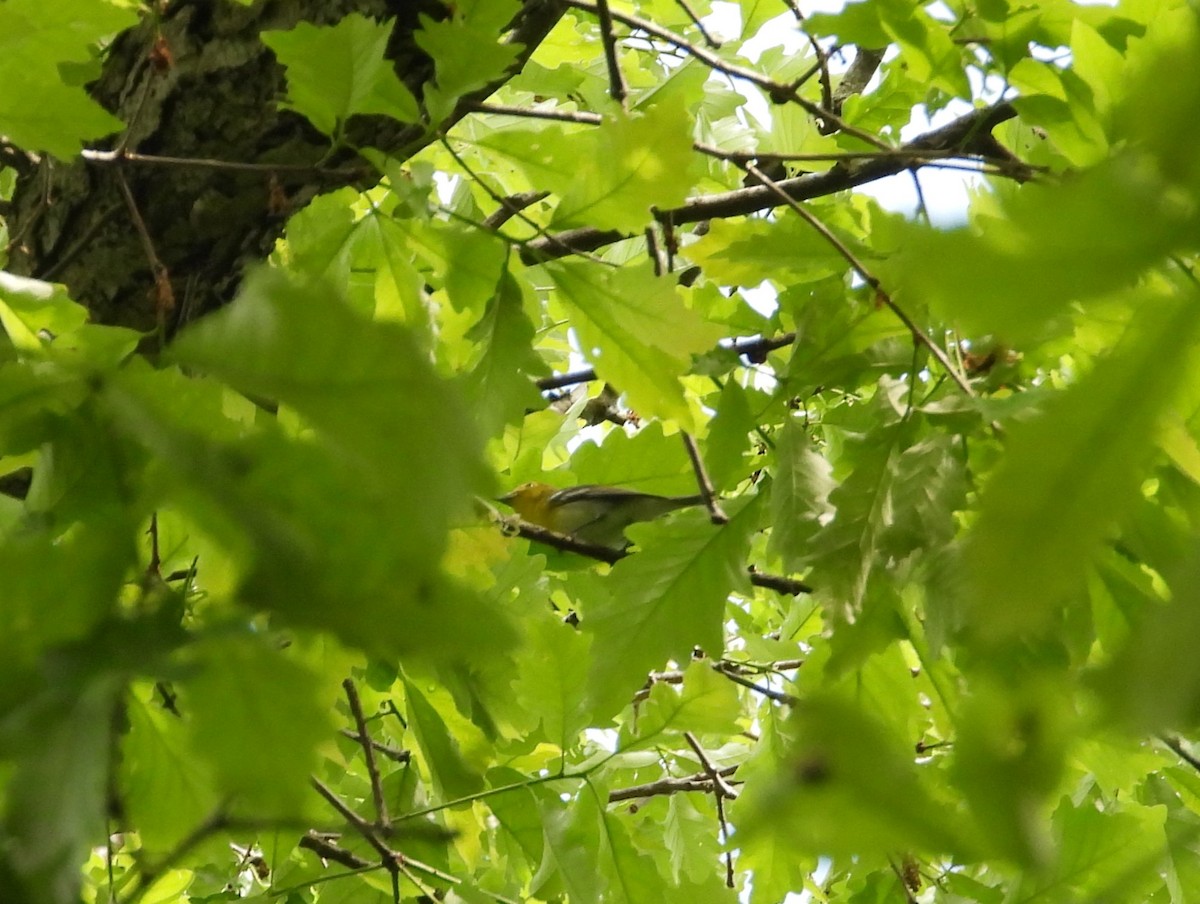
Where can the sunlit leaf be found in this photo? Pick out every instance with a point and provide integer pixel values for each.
(339, 70)
(666, 600)
(637, 333)
(1071, 472)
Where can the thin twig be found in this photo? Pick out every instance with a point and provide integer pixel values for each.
(154, 567)
(822, 67)
(676, 676)
(652, 251)
(616, 81)
(360, 721)
(721, 790)
(499, 199)
(754, 349)
(364, 828)
(699, 23)
(720, 787)
(769, 693)
(164, 296)
(578, 116)
(663, 786)
(392, 753)
(510, 207)
(323, 847)
(304, 169)
(427, 893)
(905, 154)
(922, 207)
(776, 91)
(565, 543)
(871, 280)
(779, 583)
(1176, 746)
(707, 493)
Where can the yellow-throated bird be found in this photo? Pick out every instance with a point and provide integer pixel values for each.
(591, 513)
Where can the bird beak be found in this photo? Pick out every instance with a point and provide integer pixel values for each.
(506, 498)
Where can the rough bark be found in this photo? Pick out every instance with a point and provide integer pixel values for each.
(197, 82)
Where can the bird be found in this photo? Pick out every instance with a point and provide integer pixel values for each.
(591, 513)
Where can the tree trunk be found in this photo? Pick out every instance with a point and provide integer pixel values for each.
(197, 83)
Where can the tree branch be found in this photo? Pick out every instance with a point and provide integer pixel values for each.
(919, 335)
(964, 134)
(608, 554)
(698, 782)
(616, 82)
(777, 91)
(364, 736)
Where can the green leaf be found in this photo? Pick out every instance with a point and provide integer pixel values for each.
(597, 859)
(65, 565)
(398, 285)
(707, 703)
(39, 110)
(322, 236)
(632, 164)
(33, 312)
(343, 526)
(636, 332)
(553, 680)
(931, 55)
(648, 460)
(466, 49)
(336, 71)
(611, 176)
(1069, 474)
(856, 23)
(690, 839)
(501, 382)
(1112, 853)
(1153, 683)
(395, 422)
(1008, 756)
(747, 252)
(58, 588)
(1059, 243)
(665, 600)
(778, 868)
(898, 494)
(168, 789)
(452, 775)
(848, 786)
(727, 446)
(244, 694)
(58, 789)
(799, 495)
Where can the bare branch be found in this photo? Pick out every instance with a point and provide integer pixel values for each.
(364, 737)
(966, 135)
(699, 23)
(778, 92)
(616, 82)
(699, 782)
(707, 493)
